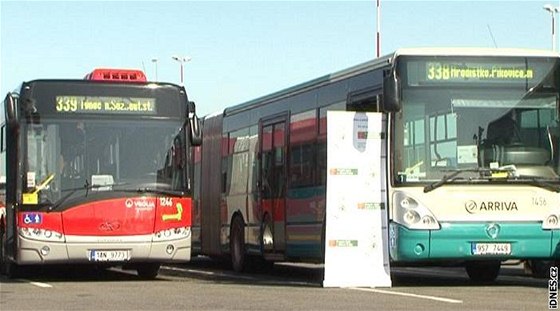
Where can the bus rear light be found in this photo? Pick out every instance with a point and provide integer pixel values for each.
(41, 234)
(172, 234)
(551, 222)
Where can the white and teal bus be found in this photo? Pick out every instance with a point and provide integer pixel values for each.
(471, 159)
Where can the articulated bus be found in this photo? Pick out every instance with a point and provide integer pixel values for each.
(471, 155)
(97, 172)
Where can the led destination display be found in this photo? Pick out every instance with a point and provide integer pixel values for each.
(105, 105)
(427, 72)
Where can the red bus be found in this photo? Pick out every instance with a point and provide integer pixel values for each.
(96, 172)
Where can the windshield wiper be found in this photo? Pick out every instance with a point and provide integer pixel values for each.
(160, 191)
(87, 186)
(495, 173)
(450, 177)
(156, 188)
(543, 184)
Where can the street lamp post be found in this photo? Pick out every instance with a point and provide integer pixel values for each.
(181, 60)
(553, 10)
(154, 60)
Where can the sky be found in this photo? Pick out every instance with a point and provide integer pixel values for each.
(241, 50)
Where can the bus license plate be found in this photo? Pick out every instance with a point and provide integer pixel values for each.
(491, 248)
(109, 255)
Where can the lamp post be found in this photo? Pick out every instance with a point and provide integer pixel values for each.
(378, 35)
(154, 60)
(181, 60)
(553, 10)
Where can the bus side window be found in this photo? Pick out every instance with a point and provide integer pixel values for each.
(3, 138)
(364, 100)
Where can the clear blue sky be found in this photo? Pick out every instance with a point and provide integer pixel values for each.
(241, 50)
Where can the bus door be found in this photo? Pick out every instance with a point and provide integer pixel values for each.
(272, 185)
(10, 153)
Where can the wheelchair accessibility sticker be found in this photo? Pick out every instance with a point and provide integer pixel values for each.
(32, 218)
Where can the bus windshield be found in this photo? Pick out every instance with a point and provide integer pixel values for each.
(477, 115)
(64, 155)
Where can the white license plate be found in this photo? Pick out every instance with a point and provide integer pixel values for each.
(109, 255)
(491, 248)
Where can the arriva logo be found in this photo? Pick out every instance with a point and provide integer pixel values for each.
(494, 206)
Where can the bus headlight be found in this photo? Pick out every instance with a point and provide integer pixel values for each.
(40, 234)
(428, 220)
(172, 234)
(551, 222)
(412, 214)
(411, 217)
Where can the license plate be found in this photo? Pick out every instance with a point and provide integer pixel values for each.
(109, 255)
(491, 248)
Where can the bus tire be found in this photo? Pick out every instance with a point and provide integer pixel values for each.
(237, 244)
(483, 271)
(148, 271)
(540, 268)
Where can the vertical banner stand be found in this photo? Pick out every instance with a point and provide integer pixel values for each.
(356, 242)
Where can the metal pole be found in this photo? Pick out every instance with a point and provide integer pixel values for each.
(155, 60)
(181, 72)
(553, 30)
(378, 39)
(553, 10)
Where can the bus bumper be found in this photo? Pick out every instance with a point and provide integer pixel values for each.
(456, 241)
(41, 252)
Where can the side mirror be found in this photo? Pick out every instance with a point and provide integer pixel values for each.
(191, 107)
(195, 131)
(11, 107)
(391, 93)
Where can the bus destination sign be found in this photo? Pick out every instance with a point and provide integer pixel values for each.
(105, 105)
(482, 72)
(441, 71)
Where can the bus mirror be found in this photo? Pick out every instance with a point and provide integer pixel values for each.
(391, 93)
(195, 131)
(190, 106)
(11, 109)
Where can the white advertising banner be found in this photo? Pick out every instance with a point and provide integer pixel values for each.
(356, 247)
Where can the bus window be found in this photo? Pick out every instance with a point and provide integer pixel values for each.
(443, 139)
(364, 101)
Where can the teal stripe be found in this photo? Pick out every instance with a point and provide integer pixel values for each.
(454, 241)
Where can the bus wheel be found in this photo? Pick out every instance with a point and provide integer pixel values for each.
(237, 244)
(540, 268)
(148, 271)
(483, 271)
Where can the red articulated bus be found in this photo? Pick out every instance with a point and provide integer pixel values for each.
(96, 171)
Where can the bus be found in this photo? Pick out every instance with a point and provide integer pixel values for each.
(97, 173)
(457, 191)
